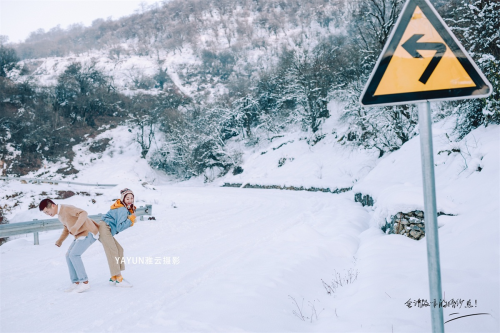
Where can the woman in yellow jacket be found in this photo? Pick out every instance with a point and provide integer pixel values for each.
(120, 217)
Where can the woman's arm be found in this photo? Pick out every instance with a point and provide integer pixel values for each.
(122, 219)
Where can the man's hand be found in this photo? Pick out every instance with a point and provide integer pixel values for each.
(58, 244)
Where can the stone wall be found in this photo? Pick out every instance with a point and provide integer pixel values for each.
(290, 188)
(409, 224)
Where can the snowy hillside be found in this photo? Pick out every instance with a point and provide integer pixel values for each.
(127, 72)
(293, 160)
(265, 260)
(215, 44)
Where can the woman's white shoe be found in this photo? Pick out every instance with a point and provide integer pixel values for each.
(71, 288)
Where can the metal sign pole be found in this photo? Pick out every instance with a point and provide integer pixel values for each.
(430, 215)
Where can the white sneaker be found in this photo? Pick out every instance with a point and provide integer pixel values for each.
(123, 284)
(71, 288)
(82, 287)
(112, 282)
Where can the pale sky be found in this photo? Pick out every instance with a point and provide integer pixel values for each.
(20, 17)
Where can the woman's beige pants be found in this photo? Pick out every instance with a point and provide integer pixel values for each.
(113, 249)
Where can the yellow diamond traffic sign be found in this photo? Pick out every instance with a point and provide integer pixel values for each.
(423, 60)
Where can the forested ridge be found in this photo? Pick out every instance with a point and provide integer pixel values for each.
(248, 70)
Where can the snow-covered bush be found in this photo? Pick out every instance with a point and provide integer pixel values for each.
(197, 141)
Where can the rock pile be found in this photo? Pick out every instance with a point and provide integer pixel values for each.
(409, 224)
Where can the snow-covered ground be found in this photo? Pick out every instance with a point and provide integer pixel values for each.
(262, 260)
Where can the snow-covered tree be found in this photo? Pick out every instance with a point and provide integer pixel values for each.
(8, 59)
(197, 141)
(383, 128)
(477, 24)
(84, 93)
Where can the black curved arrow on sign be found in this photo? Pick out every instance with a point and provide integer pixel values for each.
(411, 46)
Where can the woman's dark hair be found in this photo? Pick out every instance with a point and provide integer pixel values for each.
(45, 203)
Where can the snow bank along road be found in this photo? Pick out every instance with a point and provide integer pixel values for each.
(244, 255)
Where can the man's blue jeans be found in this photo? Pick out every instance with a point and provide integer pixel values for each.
(74, 258)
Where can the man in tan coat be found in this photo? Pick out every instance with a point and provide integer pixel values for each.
(77, 223)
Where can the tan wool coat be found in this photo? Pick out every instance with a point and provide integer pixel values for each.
(76, 222)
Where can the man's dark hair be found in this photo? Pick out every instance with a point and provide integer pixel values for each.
(45, 203)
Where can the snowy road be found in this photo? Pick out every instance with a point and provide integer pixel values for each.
(244, 253)
(241, 253)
